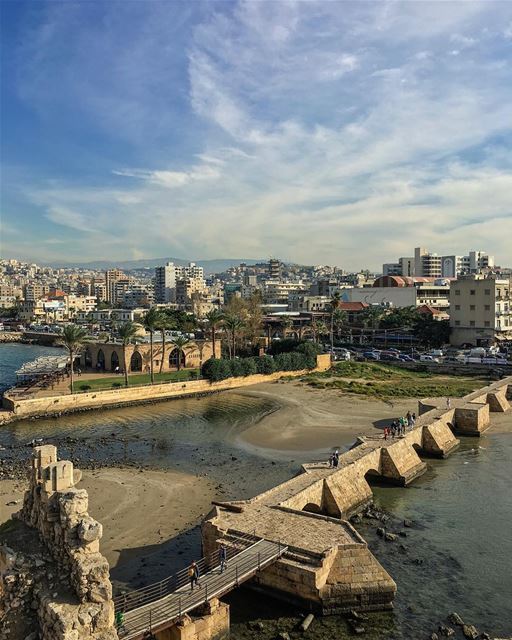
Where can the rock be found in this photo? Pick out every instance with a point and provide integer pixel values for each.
(356, 519)
(407, 523)
(381, 532)
(390, 537)
(485, 636)
(403, 534)
(454, 618)
(470, 631)
(434, 636)
(283, 635)
(446, 631)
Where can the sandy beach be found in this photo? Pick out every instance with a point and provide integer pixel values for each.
(316, 420)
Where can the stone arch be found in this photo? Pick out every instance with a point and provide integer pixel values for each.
(173, 358)
(372, 476)
(100, 359)
(88, 357)
(136, 361)
(312, 507)
(114, 361)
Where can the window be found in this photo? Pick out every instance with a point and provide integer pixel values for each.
(487, 307)
(457, 307)
(457, 292)
(471, 307)
(487, 292)
(487, 323)
(472, 292)
(457, 323)
(471, 323)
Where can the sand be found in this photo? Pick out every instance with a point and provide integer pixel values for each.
(139, 510)
(316, 420)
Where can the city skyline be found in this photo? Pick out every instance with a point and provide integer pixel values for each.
(300, 130)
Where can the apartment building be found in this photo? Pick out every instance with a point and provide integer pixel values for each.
(167, 276)
(480, 311)
(112, 276)
(431, 265)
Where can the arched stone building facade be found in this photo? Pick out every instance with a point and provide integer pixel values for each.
(107, 356)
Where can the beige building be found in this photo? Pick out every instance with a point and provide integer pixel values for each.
(480, 311)
(108, 356)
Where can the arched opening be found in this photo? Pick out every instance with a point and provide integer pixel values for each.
(114, 361)
(136, 361)
(88, 358)
(100, 360)
(311, 507)
(373, 477)
(174, 356)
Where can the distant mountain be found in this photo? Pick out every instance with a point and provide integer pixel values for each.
(209, 266)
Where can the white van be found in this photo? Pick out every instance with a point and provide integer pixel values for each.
(427, 358)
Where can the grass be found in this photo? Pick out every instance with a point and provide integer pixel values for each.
(118, 381)
(384, 381)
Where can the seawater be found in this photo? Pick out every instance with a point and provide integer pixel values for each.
(456, 557)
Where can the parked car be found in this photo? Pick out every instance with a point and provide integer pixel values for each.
(371, 355)
(428, 358)
(389, 356)
(405, 358)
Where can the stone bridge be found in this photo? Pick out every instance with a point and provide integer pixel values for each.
(328, 566)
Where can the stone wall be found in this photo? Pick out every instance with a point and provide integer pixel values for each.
(210, 623)
(133, 395)
(58, 511)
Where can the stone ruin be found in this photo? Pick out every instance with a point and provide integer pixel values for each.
(77, 604)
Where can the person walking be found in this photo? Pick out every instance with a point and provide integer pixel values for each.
(385, 433)
(448, 403)
(193, 575)
(223, 557)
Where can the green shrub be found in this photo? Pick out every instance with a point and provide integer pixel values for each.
(237, 368)
(85, 387)
(216, 369)
(265, 365)
(116, 385)
(249, 366)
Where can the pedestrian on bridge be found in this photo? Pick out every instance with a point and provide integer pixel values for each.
(223, 557)
(193, 574)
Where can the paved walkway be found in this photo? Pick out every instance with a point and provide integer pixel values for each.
(162, 612)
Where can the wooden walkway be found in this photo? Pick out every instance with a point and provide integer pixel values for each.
(161, 612)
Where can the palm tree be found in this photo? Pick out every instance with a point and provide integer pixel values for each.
(73, 338)
(339, 319)
(214, 319)
(286, 324)
(164, 323)
(151, 324)
(371, 317)
(128, 334)
(318, 328)
(180, 343)
(334, 304)
(233, 323)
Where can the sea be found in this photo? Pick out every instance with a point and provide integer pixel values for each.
(456, 556)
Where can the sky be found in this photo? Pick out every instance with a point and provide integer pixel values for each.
(341, 133)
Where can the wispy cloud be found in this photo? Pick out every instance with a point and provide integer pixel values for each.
(321, 132)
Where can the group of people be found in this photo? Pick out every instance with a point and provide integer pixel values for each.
(334, 460)
(399, 426)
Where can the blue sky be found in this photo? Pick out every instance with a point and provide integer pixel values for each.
(320, 132)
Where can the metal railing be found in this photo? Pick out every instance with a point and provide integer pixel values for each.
(160, 612)
(139, 597)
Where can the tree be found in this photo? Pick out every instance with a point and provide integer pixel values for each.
(318, 328)
(164, 323)
(339, 320)
(286, 324)
(233, 324)
(151, 323)
(73, 338)
(128, 334)
(430, 332)
(334, 304)
(180, 343)
(214, 319)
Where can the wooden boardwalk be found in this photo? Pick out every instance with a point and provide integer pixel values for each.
(160, 612)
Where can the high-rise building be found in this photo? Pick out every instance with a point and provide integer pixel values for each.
(165, 283)
(274, 269)
(431, 265)
(111, 277)
(167, 276)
